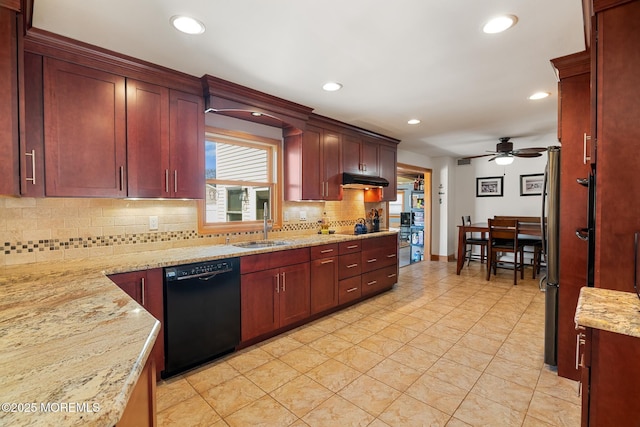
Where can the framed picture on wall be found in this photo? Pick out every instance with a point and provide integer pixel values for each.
(490, 186)
(531, 185)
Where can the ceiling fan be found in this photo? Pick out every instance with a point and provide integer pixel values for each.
(505, 153)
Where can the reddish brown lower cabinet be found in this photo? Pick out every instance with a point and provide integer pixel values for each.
(350, 289)
(379, 260)
(141, 407)
(324, 277)
(146, 288)
(610, 386)
(379, 280)
(277, 296)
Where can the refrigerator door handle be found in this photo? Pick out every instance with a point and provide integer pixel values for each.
(582, 234)
(543, 228)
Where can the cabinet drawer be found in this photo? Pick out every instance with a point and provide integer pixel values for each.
(378, 258)
(258, 262)
(349, 265)
(350, 247)
(324, 251)
(390, 241)
(350, 289)
(378, 280)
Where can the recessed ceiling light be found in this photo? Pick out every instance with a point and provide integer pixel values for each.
(500, 24)
(539, 95)
(187, 25)
(256, 114)
(332, 86)
(413, 121)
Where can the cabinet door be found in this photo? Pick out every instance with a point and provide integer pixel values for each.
(351, 146)
(32, 148)
(294, 291)
(131, 283)
(369, 154)
(85, 131)
(260, 303)
(331, 166)
(324, 284)
(9, 133)
(147, 140)
(387, 167)
(186, 145)
(154, 304)
(312, 179)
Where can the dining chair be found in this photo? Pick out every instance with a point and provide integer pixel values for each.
(470, 241)
(503, 238)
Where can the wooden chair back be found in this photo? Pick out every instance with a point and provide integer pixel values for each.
(503, 233)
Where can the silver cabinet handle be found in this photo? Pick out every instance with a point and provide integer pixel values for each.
(326, 251)
(33, 167)
(284, 282)
(372, 260)
(391, 275)
(352, 265)
(373, 282)
(175, 181)
(585, 158)
(278, 283)
(142, 290)
(327, 261)
(391, 256)
(352, 246)
(352, 289)
(121, 178)
(166, 180)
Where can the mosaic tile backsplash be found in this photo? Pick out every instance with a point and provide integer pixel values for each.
(49, 229)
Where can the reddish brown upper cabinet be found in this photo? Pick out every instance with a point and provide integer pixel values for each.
(84, 131)
(388, 168)
(165, 142)
(9, 104)
(359, 155)
(573, 129)
(145, 287)
(312, 165)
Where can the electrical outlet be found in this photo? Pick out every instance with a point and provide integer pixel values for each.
(153, 223)
(303, 215)
(286, 216)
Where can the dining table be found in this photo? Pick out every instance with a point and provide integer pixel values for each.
(525, 229)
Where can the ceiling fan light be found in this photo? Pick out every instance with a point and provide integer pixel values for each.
(504, 160)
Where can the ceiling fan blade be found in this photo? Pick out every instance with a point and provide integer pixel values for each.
(493, 158)
(481, 155)
(530, 150)
(520, 154)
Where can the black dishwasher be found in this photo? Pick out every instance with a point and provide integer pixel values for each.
(201, 313)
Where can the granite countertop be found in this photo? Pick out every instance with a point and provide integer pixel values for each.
(608, 310)
(74, 344)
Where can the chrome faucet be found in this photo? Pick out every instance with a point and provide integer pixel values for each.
(267, 222)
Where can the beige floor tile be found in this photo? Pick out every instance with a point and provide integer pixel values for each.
(359, 358)
(431, 344)
(329, 324)
(194, 412)
(280, 346)
(499, 390)
(482, 344)
(414, 323)
(445, 332)
(454, 422)
(370, 394)
(479, 411)
(488, 330)
(381, 345)
(249, 359)
(437, 393)
(352, 334)
(272, 375)
(517, 354)
(301, 395)
(333, 375)
(390, 316)
(337, 411)
(306, 334)
(468, 357)
(455, 373)
(530, 421)
(557, 412)
(264, 412)
(330, 345)
(378, 423)
(211, 375)
(394, 374)
(427, 315)
(304, 358)
(399, 333)
(514, 372)
(232, 395)
(372, 324)
(562, 388)
(348, 315)
(407, 411)
(173, 391)
(414, 357)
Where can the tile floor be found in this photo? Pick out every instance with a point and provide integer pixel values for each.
(437, 350)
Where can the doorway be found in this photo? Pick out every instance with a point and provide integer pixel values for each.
(410, 214)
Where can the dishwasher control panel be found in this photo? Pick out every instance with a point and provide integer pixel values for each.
(200, 269)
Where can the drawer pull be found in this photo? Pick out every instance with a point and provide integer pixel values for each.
(372, 260)
(391, 256)
(391, 275)
(352, 247)
(373, 282)
(33, 166)
(352, 289)
(326, 251)
(327, 261)
(352, 265)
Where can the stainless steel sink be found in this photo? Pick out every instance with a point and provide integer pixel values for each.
(257, 244)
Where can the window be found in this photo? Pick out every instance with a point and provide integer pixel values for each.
(241, 173)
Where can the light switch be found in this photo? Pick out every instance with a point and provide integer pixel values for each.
(153, 223)
(303, 215)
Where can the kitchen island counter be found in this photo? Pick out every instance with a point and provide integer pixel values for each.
(609, 310)
(74, 344)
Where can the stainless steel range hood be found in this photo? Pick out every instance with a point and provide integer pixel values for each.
(351, 180)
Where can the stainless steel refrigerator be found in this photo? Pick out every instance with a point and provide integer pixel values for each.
(550, 224)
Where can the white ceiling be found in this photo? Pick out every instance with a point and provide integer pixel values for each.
(402, 59)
